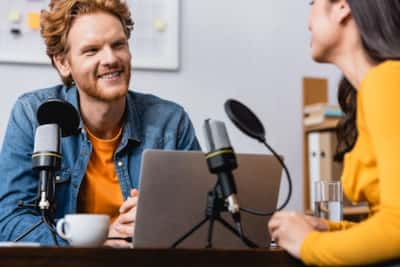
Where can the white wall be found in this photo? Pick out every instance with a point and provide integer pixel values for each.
(256, 51)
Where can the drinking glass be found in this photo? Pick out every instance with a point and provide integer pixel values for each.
(328, 200)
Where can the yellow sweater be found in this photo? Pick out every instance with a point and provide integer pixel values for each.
(371, 173)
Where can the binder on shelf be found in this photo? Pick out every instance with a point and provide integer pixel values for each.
(321, 151)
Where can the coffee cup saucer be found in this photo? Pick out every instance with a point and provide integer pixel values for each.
(19, 244)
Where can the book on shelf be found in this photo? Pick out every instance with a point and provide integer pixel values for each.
(317, 113)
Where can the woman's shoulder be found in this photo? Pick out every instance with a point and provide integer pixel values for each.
(382, 80)
(379, 95)
(384, 73)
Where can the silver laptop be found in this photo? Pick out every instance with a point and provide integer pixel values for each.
(173, 198)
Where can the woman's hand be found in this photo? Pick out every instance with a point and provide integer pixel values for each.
(317, 224)
(289, 230)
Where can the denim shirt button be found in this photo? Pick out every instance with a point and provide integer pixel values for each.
(120, 163)
(58, 178)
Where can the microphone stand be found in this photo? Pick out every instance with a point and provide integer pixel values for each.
(44, 205)
(215, 205)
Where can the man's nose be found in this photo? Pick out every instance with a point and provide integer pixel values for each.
(109, 56)
(309, 22)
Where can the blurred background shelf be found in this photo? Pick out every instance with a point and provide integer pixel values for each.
(329, 124)
(319, 147)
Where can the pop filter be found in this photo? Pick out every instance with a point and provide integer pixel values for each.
(60, 112)
(245, 119)
(248, 123)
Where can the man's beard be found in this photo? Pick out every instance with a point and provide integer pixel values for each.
(101, 94)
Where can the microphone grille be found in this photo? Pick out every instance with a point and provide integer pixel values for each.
(47, 138)
(216, 135)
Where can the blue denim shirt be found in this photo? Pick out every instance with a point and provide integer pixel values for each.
(150, 122)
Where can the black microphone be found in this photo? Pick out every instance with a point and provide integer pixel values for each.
(221, 160)
(46, 159)
(56, 118)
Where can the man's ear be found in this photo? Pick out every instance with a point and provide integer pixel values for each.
(342, 11)
(62, 65)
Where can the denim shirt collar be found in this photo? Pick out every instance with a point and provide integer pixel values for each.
(132, 121)
(132, 126)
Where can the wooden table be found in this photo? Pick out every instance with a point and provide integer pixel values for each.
(110, 257)
(97, 257)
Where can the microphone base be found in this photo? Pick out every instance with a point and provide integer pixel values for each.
(43, 205)
(215, 206)
(46, 220)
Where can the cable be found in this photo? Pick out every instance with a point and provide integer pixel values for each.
(242, 236)
(289, 195)
(50, 227)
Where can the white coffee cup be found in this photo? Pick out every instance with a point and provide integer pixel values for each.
(84, 230)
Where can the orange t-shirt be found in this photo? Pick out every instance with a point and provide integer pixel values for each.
(100, 191)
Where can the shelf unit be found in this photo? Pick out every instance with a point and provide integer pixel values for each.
(315, 90)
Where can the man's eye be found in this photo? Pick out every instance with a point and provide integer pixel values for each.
(119, 44)
(90, 51)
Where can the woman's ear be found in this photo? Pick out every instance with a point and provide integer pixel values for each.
(342, 11)
(62, 65)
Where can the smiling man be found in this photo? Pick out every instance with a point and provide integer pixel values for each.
(87, 41)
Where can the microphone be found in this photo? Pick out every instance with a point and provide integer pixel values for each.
(221, 160)
(46, 159)
(57, 118)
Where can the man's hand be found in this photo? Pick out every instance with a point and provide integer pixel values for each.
(123, 226)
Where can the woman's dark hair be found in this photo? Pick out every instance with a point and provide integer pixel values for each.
(378, 22)
(346, 130)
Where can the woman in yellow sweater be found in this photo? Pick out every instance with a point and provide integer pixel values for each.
(362, 38)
